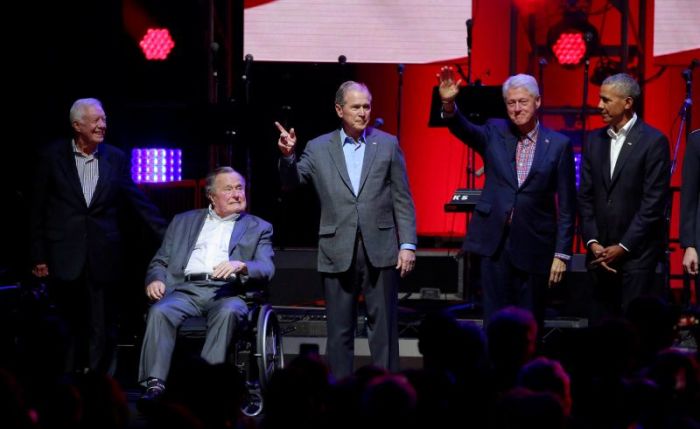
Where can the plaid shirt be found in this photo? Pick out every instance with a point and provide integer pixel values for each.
(524, 154)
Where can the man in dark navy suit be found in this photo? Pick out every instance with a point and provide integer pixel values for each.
(523, 225)
(79, 187)
(625, 175)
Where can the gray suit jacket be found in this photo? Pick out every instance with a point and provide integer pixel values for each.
(251, 242)
(382, 210)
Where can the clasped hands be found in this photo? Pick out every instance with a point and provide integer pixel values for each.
(605, 256)
(156, 289)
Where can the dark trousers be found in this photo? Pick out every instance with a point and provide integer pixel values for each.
(380, 289)
(612, 292)
(505, 285)
(88, 312)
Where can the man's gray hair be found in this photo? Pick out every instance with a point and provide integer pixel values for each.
(77, 110)
(625, 85)
(350, 86)
(521, 81)
(211, 177)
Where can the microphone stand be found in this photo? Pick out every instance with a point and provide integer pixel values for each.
(246, 77)
(684, 113)
(586, 71)
(468, 290)
(469, 51)
(399, 94)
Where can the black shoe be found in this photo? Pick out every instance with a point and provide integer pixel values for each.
(155, 388)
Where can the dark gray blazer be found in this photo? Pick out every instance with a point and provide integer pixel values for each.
(690, 193)
(251, 242)
(382, 210)
(71, 236)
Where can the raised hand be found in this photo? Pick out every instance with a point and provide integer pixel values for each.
(287, 140)
(448, 85)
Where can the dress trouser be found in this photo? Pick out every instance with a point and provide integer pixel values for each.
(380, 289)
(223, 313)
(88, 311)
(504, 285)
(613, 292)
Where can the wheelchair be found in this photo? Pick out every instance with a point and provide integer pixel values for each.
(255, 350)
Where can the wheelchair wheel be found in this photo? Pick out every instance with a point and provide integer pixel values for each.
(269, 354)
(252, 403)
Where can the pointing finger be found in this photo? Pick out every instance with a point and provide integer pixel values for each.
(281, 128)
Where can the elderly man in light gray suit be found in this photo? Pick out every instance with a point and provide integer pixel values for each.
(205, 259)
(367, 234)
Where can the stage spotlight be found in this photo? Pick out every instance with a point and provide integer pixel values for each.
(573, 39)
(156, 44)
(156, 165)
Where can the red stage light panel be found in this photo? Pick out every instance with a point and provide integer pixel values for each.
(156, 44)
(569, 48)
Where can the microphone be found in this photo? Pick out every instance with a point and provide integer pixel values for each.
(469, 33)
(378, 123)
(246, 68)
(342, 60)
(688, 73)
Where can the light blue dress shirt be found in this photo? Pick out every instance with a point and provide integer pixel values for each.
(354, 152)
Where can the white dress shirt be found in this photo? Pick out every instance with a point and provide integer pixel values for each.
(617, 139)
(212, 244)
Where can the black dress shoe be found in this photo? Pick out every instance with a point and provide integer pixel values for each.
(155, 388)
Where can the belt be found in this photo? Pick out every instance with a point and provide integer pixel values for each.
(205, 277)
(202, 277)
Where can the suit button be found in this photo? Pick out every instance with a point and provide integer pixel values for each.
(609, 202)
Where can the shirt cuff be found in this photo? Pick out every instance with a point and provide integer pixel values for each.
(562, 256)
(448, 115)
(408, 246)
(624, 247)
(589, 242)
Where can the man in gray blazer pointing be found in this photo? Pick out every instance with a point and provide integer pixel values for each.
(198, 271)
(367, 235)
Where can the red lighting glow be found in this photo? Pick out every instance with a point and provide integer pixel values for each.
(569, 48)
(157, 44)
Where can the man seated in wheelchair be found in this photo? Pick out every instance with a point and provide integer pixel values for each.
(206, 258)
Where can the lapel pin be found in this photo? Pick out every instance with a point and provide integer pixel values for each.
(629, 143)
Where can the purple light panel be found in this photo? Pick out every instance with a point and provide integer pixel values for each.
(155, 165)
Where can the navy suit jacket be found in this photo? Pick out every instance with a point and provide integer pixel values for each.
(690, 193)
(68, 234)
(251, 242)
(543, 207)
(382, 209)
(629, 207)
